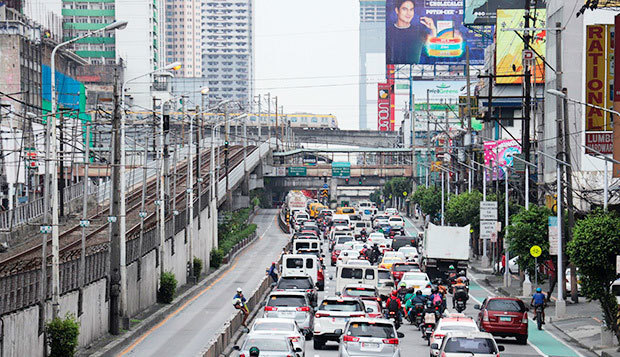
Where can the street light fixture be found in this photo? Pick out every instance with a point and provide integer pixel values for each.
(50, 164)
(563, 95)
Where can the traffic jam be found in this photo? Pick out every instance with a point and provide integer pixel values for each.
(359, 283)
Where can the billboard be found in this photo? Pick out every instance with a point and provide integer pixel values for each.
(616, 98)
(499, 153)
(429, 32)
(509, 51)
(483, 12)
(599, 87)
(385, 108)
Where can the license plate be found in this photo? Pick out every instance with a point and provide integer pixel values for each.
(370, 345)
(288, 313)
(505, 318)
(416, 286)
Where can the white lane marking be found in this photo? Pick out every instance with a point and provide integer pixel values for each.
(532, 321)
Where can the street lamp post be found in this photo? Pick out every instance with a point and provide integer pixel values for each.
(51, 174)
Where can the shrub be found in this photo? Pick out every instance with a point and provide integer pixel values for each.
(197, 267)
(62, 336)
(167, 287)
(217, 256)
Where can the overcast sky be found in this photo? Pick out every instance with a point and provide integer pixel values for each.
(307, 54)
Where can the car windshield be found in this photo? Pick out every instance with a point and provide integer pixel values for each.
(303, 245)
(369, 304)
(344, 239)
(342, 305)
(504, 305)
(371, 329)
(340, 222)
(286, 301)
(266, 344)
(384, 274)
(350, 273)
(403, 267)
(470, 345)
(348, 210)
(295, 283)
(408, 250)
(396, 219)
(360, 292)
(461, 327)
(415, 277)
(274, 326)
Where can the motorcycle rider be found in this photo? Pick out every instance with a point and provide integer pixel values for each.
(403, 291)
(538, 301)
(438, 299)
(394, 304)
(417, 300)
(364, 252)
(374, 254)
(459, 292)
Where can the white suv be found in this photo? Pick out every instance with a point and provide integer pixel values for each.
(333, 314)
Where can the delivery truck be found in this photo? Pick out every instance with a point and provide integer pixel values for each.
(442, 247)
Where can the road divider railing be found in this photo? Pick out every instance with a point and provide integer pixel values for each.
(284, 226)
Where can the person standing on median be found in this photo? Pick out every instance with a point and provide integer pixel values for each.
(273, 272)
(239, 302)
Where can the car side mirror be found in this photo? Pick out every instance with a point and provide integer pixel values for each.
(338, 293)
(400, 334)
(434, 346)
(477, 307)
(236, 348)
(501, 348)
(298, 349)
(323, 255)
(338, 331)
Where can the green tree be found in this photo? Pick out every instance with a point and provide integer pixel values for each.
(429, 199)
(375, 197)
(593, 249)
(528, 228)
(464, 209)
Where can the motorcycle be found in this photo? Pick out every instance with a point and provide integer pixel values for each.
(392, 315)
(364, 235)
(428, 327)
(460, 306)
(418, 314)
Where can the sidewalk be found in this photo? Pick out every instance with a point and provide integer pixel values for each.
(581, 326)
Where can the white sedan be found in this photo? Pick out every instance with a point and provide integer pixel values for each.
(347, 255)
(277, 326)
(418, 281)
(411, 253)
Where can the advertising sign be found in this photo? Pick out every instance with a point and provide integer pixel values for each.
(429, 32)
(509, 51)
(499, 153)
(385, 121)
(553, 235)
(483, 12)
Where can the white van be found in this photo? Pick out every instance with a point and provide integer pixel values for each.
(357, 229)
(301, 264)
(355, 274)
(341, 220)
(306, 245)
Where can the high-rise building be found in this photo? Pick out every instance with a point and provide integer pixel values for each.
(183, 34)
(227, 48)
(372, 57)
(139, 47)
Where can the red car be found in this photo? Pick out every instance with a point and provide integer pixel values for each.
(503, 317)
(399, 269)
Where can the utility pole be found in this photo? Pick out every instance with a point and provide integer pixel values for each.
(61, 168)
(115, 244)
(143, 212)
(199, 121)
(414, 163)
(570, 222)
(190, 195)
(226, 129)
(277, 127)
(269, 119)
(258, 121)
(559, 148)
(84, 222)
(527, 81)
(161, 186)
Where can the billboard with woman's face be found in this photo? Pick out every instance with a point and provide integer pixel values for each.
(429, 32)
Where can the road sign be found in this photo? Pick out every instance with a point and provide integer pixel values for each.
(488, 230)
(325, 186)
(324, 192)
(553, 235)
(405, 193)
(535, 251)
(488, 210)
(296, 171)
(341, 169)
(528, 55)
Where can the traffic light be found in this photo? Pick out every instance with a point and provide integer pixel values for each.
(360, 181)
(346, 181)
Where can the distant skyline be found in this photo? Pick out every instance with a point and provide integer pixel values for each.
(306, 53)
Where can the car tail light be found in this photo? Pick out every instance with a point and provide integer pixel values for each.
(271, 308)
(320, 314)
(319, 275)
(524, 319)
(293, 339)
(390, 341)
(309, 290)
(303, 308)
(242, 355)
(428, 286)
(358, 315)
(379, 299)
(347, 338)
(485, 317)
(438, 336)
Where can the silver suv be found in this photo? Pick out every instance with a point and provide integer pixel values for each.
(291, 305)
(369, 337)
(332, 315)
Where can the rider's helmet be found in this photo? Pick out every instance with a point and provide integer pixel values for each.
(538, 290)
(402, 284)
(239, 290)
(434, 290)
(451, 267)
(254, 351)
(394, 292)
(419, 292)
(365, 246)
(462, 273)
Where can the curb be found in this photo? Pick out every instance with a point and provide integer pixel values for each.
(116, 346)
